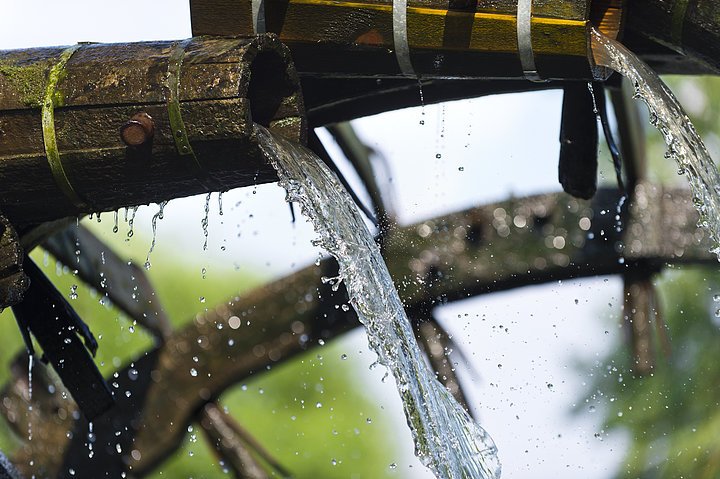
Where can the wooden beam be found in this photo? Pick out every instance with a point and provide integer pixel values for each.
(62, 112)
(341, 39)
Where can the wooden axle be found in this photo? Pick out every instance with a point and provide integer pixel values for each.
(97, 127)
(472, 38)
(476, 39)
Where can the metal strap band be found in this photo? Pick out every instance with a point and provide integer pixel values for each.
(679, 11)
(258, 17)
(48, 129)
(524, 35)
(179, 133)
(400, 37)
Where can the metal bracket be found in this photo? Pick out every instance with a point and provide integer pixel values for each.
(48, 128)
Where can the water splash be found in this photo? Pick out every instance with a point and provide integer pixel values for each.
(31, 360)
(157, 216)
(422, 101)
(131, 220)
(447, 440)
(90, 440)
(666, 114)
(206, 220)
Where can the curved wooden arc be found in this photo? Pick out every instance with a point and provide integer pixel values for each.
(495, 247)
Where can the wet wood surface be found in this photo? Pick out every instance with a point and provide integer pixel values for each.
(225, 85)
(469, 39)
(690, 27)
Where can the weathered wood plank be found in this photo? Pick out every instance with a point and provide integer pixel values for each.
(357, 38)
(226, 85)
(46, 314)
(13, 281)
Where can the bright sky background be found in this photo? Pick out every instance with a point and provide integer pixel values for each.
(505, 145)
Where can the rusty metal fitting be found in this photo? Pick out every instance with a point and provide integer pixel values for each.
(138, 130)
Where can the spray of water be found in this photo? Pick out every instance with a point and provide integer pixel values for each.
(666, 114)
(446, 439)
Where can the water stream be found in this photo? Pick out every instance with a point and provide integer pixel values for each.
(446, 439)
(683, 142)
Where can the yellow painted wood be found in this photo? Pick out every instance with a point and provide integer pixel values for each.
(310, 21)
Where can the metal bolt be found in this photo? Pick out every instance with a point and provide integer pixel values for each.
(138, 130)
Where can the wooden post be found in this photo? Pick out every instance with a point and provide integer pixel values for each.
(97, 127)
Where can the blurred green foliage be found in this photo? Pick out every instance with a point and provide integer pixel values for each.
(673, 415)
(309, 413)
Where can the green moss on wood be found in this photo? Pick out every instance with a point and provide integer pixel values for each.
(28, 80)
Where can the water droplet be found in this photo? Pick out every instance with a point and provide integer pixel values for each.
(193, 372)
(550, 386)
(131, 220)
(206, 220)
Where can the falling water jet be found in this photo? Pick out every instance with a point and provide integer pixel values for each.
(446, 439)
(684, 144)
